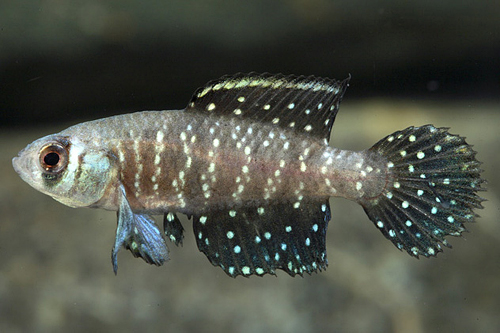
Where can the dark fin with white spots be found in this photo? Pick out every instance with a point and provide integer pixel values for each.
(139, 234)
(258, 240)
(433, 191)
(304, 104)
(173, 228)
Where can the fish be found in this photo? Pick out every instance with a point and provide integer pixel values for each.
(249, 161)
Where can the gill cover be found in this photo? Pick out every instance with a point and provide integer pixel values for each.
(72, 172)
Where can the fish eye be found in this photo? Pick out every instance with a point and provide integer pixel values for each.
(53, 157)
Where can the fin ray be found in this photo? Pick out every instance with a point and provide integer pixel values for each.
(258, 240)
(434, 189)
(139, 234)
(303, 104)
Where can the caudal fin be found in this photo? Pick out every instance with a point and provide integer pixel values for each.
(435, 178)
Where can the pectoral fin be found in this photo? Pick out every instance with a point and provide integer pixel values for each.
(139, 234)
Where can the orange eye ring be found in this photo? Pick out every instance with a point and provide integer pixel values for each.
(53, 157)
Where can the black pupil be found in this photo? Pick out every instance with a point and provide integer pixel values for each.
(51, 159)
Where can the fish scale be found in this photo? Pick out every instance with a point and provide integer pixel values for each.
(248, 159)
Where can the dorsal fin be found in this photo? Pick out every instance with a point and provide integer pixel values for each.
(304, 104)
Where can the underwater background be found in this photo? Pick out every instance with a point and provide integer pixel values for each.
(412, 63)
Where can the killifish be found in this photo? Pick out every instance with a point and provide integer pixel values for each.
(248, 160)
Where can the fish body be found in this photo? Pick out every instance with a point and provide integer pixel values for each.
(249, 160)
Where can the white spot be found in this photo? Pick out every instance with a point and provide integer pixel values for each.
(315, 227)
(286, 145)
(323, 208)
(437, 148)
(405, 204)
(237, 112)
(267, 235)
(320, 105)
(420, 155)
(283, 246)
(211, 167)
(420, 193)
(257, 239)
(231, 270)
(303, 167)
(422, 175)
(237, 249)
(259, 271)
(203, 219)
(451, 219)
(390, 138)
(211, 130)
(244, 169)
(276, 120)
(396, 185)
(408, 223)
(159, 136)
(296, 205)
(277, 173)
(232, 213)
(292, 124)
(308, 242)
(291, 105)
(265, 143)
(389, 195)
(392, 233)
(446, 181)
(431, 251)
(260, 210)
(267, 107)
(380, 224)
(308, 128)
(390, 164)
(358, 186)
(412, 138)
(216, 142)
(434, 210)
(411, 168)
(245, 270)
(247, 150)
(403, 153)
(241, 99)
(288, 228)
(277, 257)
(211, 106)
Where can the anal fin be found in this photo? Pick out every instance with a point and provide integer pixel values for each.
(139, 234)
(258, 240)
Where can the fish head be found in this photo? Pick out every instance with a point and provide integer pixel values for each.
(68, 169)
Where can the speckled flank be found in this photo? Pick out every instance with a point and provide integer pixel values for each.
(249, 160)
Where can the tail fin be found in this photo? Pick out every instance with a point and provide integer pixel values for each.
(435, 180)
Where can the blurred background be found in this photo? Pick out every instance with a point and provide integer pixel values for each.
(412, 63)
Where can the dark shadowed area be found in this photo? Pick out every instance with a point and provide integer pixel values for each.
(63, 62)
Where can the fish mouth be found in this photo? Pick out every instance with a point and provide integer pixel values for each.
(20, 165)
(15, 164)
